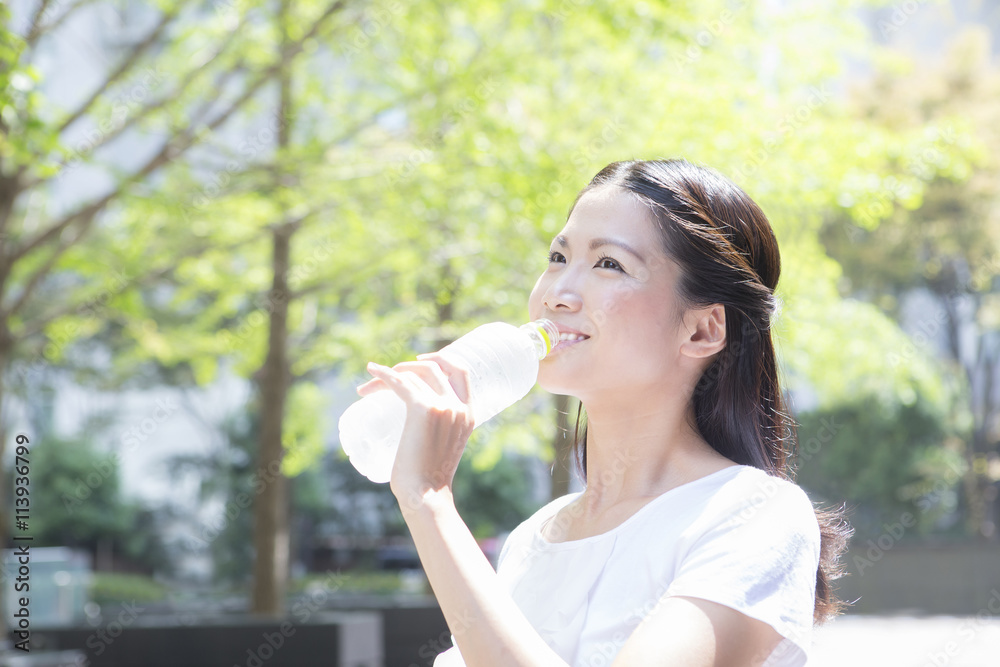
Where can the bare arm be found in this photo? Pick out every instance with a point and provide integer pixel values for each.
(697, 633)
(489, 627)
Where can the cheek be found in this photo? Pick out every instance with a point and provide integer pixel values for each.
(535, 299)
(644, 320)
(621, 303)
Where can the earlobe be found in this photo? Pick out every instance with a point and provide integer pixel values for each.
(708, 332)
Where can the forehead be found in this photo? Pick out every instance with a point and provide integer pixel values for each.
(612, 211)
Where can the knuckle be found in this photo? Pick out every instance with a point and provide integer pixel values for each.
(440, 408)
(421, 404)
(407, 366)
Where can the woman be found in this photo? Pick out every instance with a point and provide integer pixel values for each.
(689, 545)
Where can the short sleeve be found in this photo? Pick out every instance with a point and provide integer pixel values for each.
(450, 658)
(760, 558)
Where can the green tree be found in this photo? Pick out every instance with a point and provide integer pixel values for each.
(888, 460)
(941, 244)
(497, 498)
(58, 265)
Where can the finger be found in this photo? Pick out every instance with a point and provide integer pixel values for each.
(457, 373)
(429, 372)
(397, 382)
(371, 386)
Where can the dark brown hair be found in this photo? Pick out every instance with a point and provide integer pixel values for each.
(728, 255)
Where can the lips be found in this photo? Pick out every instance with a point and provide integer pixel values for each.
(568, 337)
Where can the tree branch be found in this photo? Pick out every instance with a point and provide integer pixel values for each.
(42, 30)
(315, 287)
(171, 150)
(357, 276)
(10, 187)
(195, 117)
(35, 27)
(181, 88)
(39, 323)
(86, 213)
(40, 273)
(158, 104)
(127, 63)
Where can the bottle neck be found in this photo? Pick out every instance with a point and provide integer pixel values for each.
(544, 336)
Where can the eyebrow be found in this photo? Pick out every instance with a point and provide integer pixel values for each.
(598, 242)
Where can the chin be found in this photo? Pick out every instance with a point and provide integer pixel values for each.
(561, 386)
(556, 390)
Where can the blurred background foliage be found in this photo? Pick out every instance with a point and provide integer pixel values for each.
(282, 191)
(80, 505)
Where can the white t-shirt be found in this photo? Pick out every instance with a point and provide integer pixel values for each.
(738, 537)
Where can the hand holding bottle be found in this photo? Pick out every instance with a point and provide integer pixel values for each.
(499, 365)
(439, 421)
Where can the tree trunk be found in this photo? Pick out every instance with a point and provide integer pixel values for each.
(270, 575)
(271, 519)
(974, 481)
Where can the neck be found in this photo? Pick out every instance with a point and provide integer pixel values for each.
(641, 448)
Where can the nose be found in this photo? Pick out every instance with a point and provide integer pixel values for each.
(562, 295)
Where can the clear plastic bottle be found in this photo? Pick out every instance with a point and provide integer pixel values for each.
(503, 367)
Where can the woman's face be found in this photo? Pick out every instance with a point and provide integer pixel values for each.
(609, 279)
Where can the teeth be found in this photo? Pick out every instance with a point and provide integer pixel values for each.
(571, 336)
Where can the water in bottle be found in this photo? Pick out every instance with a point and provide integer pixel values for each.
(503, 367)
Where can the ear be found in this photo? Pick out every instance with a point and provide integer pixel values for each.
(706, 329)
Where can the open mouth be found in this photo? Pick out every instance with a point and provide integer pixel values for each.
(567, 339)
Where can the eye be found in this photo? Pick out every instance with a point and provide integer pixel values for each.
(606, 262)
(554, 256)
